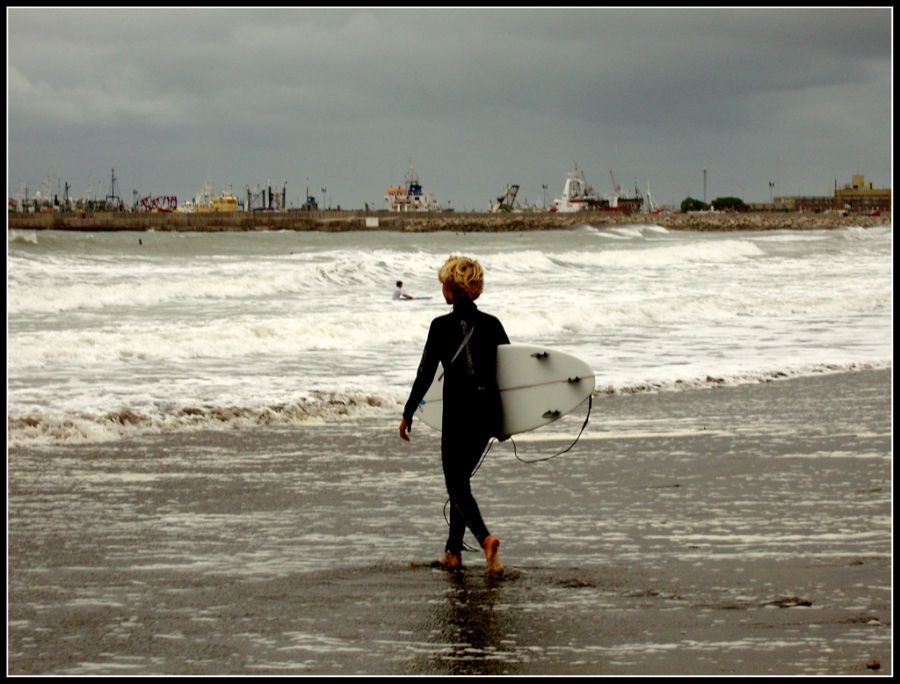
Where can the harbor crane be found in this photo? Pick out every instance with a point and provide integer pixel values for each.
(616, 187)
(162, 204)
(651, 205)
(505, 202)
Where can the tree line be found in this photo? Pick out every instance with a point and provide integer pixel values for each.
(719, 204)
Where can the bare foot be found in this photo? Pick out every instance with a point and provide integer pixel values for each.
(452, 561)
(491, 553)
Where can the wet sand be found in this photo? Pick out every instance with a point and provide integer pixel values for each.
(742, 530)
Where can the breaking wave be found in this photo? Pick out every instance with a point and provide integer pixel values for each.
(27, 237)
(110, 338)
(736, 379)
(321, 407)
(38, 429)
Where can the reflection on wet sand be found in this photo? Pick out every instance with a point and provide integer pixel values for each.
(472, 625)
(737, 531)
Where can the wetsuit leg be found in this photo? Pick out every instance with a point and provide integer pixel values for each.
(459, 457)
(457, 531)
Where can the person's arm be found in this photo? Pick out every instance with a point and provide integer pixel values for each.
(424, 377)
(502, 337)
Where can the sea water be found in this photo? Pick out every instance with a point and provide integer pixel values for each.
(119, 334)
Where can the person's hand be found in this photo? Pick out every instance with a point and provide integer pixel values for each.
(404, 429)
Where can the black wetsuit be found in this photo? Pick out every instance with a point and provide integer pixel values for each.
(471, 412)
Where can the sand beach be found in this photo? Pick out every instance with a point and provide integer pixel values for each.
(207, 364)
(741, 530)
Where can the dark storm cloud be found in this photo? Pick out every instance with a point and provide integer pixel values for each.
(475, 96)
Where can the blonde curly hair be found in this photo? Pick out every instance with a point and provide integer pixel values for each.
(462, 276)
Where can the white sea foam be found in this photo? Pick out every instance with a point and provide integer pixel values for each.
(39, 428)
(22, 236)
(98, 327)
(150, 415)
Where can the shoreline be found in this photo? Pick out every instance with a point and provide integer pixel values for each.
(345, 221)
(678, 539)
(45, 430)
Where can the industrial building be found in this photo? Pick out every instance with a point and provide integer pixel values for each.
(857, 196)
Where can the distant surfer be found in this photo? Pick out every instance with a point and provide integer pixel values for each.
(400, 293)
(465, 342)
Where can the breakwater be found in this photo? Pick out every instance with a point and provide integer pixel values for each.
(337, 221)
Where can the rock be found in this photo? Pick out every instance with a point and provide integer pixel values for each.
(575, 583)
(790, 602)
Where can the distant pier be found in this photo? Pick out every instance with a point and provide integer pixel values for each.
(341, 221)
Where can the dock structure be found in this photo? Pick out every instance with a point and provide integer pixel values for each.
(414, 222)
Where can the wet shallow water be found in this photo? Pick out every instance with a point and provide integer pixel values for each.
(738, 530)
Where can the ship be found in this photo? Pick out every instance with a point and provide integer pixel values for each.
(577, 195)
(627, 204)
(207, 202)
(409, 196)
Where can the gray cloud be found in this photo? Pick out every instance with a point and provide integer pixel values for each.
(478, 98)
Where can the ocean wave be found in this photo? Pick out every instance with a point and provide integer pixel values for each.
(96, 283)
(320, 407)
(716, 380)
(636, 230)
(99, 282)
(791, 237)
(27, 237)
(863, 233)
(621, 233)
(638, 257)
(37, 429)
(378, 326)
(238, 339)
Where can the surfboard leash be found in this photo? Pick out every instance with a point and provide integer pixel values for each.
(474, 470)
(559, 453)
(466, 547)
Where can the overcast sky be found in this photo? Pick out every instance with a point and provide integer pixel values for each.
(342, 99)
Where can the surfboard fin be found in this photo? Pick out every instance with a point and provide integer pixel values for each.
(574, 380)
(551, 414)
(540, 355)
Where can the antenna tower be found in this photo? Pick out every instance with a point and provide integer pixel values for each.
(112, 199)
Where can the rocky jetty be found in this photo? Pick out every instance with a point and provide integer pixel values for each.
(336, 221)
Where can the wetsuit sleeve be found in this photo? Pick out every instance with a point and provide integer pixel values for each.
(425, 375)
(502, 337)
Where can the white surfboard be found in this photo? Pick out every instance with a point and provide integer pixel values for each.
(538, 385)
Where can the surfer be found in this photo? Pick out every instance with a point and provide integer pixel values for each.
(400, 293)
(465, 342)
